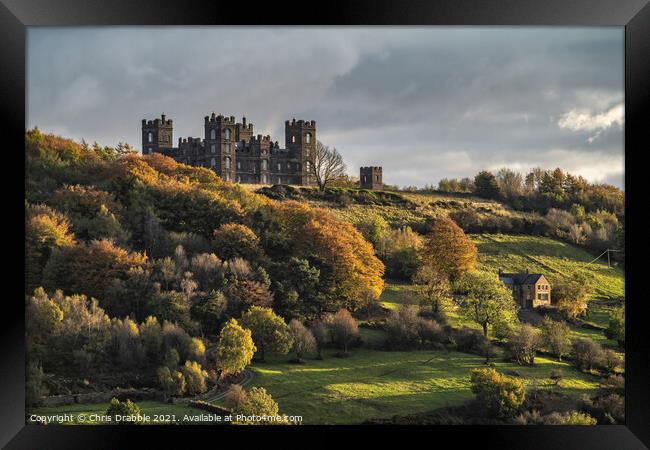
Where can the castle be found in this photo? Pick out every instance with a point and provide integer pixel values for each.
(232, 150)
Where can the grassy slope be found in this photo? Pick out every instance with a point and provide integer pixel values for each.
(150, 408)
(374, 383)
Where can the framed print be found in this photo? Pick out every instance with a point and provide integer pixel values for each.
(375, 217)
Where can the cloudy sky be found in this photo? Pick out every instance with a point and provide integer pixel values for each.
(423, 102)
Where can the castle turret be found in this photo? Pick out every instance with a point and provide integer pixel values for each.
(300, 139)
(370, 178)
(220, 145)
(157, 135)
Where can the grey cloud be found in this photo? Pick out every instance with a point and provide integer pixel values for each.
(425, 103)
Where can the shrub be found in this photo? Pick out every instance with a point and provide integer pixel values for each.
(469, 340)
(587, 354)
(616, 329)
(117, 410)
(403, 327)
(607, 409)
(554, 418)
(499, 394)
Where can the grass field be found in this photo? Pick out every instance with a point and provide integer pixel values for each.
(374, 383)
(150, 408)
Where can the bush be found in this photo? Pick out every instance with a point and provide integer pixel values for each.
(118, 410)
(556, 337)
(608, 409)
(469, 340)
(587, 354)
(498, 394)
(403, 327)
(554, 418)
(616, 329)
(256, 402)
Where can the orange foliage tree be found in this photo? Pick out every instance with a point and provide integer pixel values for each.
(448, 250)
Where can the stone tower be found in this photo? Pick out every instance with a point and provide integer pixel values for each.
(300, 141)
(157, 135)
(220, 145)
(370, 178)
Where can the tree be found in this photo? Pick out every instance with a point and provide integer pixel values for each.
(257, 402)
(616, 329)
(321, 333)
(570, 294)
(303, 339)
(172, 382)
(243, 294)
(232, 240)
(344, 329)
(196, 350)
(556, 337)
(499, 394)
(524, 343)
(486, 185)
(270, 333)
(433, 288)
(485, 300)
(118, 411)
(448, 250)
(403, 326)
(235, 396)
(587, 354)
(510, 183)
(325, 165)
(235, 348)
(35, 388)
(195, 377)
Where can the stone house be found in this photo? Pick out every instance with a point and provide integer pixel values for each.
(530, 290)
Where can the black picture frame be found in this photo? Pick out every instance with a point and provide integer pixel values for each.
(634, 15)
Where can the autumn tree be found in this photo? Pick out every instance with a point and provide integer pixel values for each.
(89, 268)
(45, 231)
(270, 332)
(325, 165)
(499, 394)
(235, 348)
(344, 329)
(303, 339)
(485, 300)
(448, 250)
(232, 240)
(195, 377)
(570, 294)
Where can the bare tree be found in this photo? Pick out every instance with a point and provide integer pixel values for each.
(326, 165)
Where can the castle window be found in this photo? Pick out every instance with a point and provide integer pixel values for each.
(264, 179)
(150, 137)
(279, 168)
(227, 161)
(213, 148)
(227, 148)
(238, 164)
(226, 134)
(308, 138)
(308, 166)
(213, 134)
(213, 162)
(264, 164)
(293, 139)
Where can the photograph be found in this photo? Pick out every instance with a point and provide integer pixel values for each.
(325, 225)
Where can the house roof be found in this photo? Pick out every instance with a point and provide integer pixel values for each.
(520, 278)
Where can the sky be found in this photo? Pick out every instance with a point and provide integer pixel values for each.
(423, 102)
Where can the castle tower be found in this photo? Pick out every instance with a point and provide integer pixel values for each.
(300, 140)
(370, 178)
(157, 135)
(220, 145)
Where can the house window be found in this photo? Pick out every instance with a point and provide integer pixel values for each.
(150, 137)
(213, 134)
(226, 134)
(308, 138)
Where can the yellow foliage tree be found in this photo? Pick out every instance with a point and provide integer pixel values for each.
(448, 250)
